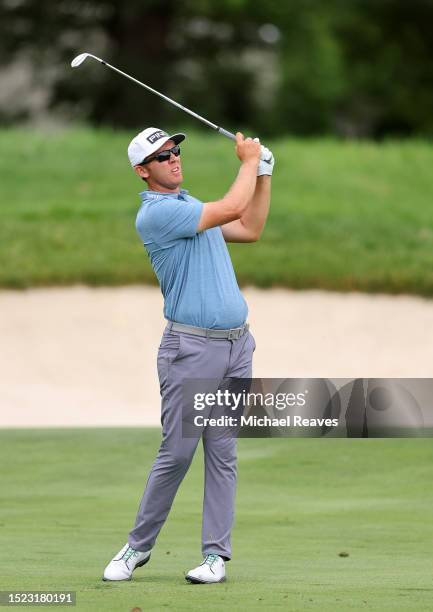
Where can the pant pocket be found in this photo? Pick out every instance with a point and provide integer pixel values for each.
(253, 341)
(169, 350)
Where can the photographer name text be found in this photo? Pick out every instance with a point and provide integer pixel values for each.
(263, 421)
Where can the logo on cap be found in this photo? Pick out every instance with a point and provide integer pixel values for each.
(156, 136)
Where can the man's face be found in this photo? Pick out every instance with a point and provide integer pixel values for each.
(165, 175)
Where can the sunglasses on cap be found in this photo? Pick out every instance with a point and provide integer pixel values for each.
(163, 155)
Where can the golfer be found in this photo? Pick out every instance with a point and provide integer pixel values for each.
(206, 334)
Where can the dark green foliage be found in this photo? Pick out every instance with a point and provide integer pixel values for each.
(358, 68)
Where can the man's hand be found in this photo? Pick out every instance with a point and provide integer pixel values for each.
(247, 149)
(249, 225)
(232, 206)
(267, 161)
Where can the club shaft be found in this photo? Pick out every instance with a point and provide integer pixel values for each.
(167, 99)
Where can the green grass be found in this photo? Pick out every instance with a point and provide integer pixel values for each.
(69, 498)
(345, 215)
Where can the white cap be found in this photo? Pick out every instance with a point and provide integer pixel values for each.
(147, 142)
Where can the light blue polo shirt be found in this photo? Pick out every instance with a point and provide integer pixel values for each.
(194, 269)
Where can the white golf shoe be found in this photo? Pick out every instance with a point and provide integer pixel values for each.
(211, 570)
(124, 563)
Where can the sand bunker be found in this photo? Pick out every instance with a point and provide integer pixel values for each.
(80, 356)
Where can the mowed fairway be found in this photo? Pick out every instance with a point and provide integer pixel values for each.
(69, 498)
(344, 215)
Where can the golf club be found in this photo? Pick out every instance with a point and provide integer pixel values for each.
(77, 61)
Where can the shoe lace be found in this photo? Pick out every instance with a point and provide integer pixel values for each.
(129, 552)
(210, 559)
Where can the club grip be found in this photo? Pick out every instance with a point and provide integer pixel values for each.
(226, 133)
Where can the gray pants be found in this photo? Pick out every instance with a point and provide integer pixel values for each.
(181, 356)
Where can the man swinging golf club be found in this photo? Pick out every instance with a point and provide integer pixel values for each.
(206, 334)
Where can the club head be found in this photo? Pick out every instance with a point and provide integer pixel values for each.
(77, 61)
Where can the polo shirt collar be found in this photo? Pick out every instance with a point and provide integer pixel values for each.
(147, 194)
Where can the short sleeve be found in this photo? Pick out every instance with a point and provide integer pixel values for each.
(170, 219)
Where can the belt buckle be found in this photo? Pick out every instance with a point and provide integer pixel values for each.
(233, 334)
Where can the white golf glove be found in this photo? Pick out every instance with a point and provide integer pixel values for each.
(266, 164)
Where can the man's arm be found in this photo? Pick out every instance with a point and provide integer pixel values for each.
(232, 206)
(249, 226)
